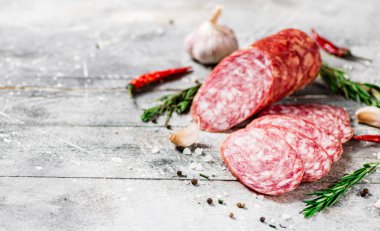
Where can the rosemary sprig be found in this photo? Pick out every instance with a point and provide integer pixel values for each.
(179, 102)
(327, 197)
(338, 82)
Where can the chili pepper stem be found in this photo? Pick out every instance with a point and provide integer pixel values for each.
(130, 89)
(352, 57)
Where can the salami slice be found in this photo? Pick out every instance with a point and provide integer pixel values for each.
(316, 161)
(262, 161)
(330, 118)
(249, 80)
(322, 137)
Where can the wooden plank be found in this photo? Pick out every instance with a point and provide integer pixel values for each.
(134, 38)
(111, 108)
(96, 204)
(135, 152)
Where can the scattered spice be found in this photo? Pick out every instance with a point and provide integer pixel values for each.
(194, 181)
(180, 174)
(220, 201)
(284, 227)
(364, 192)
(327, 197)
(333, 49)
(209, 201)
(148, 78)
(232, 216)
(179, 102)
(240, 205)
(204, 176)
(272, 226)
(338, 82)
(262, 219)
(371, 138)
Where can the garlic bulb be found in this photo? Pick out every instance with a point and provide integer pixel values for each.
(211, 42)
(369, 115)
(186, 136)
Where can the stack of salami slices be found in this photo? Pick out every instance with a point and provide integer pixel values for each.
(287, 145)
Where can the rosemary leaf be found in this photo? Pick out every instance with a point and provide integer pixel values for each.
(361, 92)
(179, 102)
(329, 196)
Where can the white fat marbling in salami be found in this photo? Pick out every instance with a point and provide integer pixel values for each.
(316, 161)
(321, 136)
(251, 79)
(262, 161)
(333, 119)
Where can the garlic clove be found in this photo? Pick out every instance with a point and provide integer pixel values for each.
(210, 42)
(186, 136)
(369, 115)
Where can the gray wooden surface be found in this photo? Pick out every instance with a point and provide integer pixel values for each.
(74, 154)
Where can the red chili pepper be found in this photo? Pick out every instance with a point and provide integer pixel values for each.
(371, 138)
(148, 78)
(333, 49)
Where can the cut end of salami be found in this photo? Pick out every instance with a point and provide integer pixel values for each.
(228, 96)
(323, 138)
(262, 161)
(315, 160)
(249, 80)
(333, 119)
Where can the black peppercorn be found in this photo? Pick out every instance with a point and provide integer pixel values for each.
(179, 173)
(194, 181)
(364, 192)
(262, 219)
(209, 201)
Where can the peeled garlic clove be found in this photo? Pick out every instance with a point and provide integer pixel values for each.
(186, 136)
(369, 115)
(210, 42)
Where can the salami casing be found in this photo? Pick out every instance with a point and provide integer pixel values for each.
(249, 80)
(262, 161)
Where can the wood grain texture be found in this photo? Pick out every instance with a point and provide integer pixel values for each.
(74, 154)
(98, 204)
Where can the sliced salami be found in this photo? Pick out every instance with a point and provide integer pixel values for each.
(262, 161)
(333, 119)
(322, 137)
(316, 161)
(248, 80)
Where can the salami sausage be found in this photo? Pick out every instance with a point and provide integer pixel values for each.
(322, 137)
(315, 160)
(333, 119)
(251, 79)
(262, 161)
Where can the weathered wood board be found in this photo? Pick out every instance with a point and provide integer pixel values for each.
(74, 154)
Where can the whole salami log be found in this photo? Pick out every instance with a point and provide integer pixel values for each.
(262, 161)
(249, 80)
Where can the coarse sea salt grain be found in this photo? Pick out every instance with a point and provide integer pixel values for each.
(286, 217)
(198, 151)
(186, 151)
(207, 158)
(155, 149)
(377, 204)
